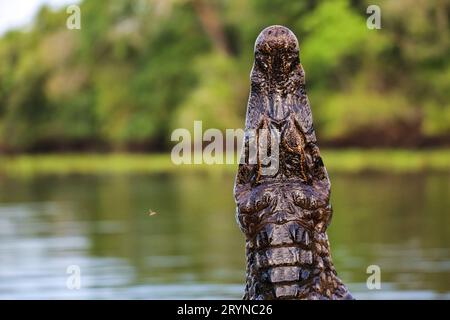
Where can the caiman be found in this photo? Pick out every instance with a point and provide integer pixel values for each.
(285, 214)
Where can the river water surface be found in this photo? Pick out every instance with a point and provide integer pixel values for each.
(192, 247)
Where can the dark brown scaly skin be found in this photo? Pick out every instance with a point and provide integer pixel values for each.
(285, 216)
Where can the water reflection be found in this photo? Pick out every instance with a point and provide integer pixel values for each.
(192, 247)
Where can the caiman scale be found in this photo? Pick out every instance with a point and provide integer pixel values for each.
(285, 215)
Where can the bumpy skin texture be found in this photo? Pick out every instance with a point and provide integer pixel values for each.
(285, 216)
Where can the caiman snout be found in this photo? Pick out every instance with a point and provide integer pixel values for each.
(276, 39)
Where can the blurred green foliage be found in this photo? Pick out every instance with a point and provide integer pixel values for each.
(138, 69)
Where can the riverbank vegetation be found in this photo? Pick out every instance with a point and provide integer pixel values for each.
(346, 161)
(138, 69)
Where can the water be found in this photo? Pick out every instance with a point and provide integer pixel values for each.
(192, 248)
